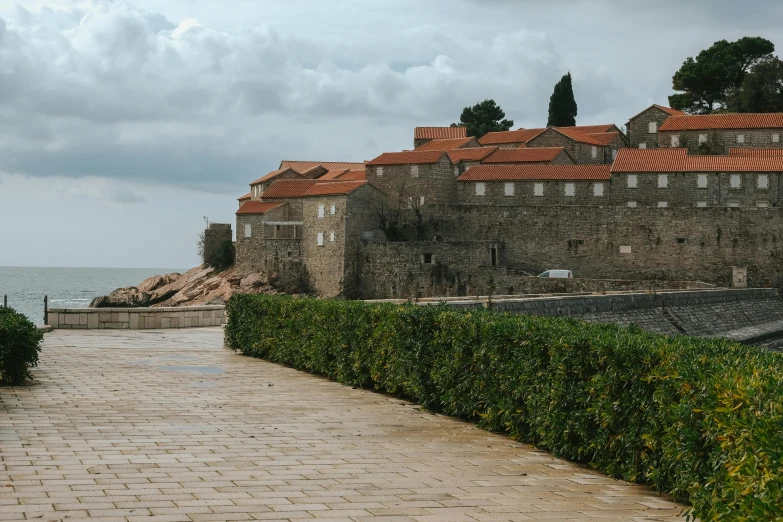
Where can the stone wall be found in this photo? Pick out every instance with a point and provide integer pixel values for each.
(639, 128)
(135, 318)
(554, 193)
(721, 140)
(581, 153)
(436, 183)
(325, 261)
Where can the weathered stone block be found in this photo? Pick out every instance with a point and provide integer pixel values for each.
(83, 319)
(123, 317)
(92, 321)
(133, 321)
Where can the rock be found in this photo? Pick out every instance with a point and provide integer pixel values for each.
(129, 297)
(253, 281)
(155, 282)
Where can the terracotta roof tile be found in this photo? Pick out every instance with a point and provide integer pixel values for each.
(272, 175)
(667, 110)
(516, 136)
(578, 136)
(605, 137)
(742, 151)
(439, 133)
(290, 188)
(354, 175)
(246, 196)
(524, 155)
(650, 160)
(723, 121)
(258, 207)
(333, 174)
(536, 172)
(734, 164)
(473, 154)
(452, 144)
(408, 158)
(594, 129)
(303, 166)
(334, 188)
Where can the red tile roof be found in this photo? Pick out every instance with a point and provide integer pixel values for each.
(246, 196)
(333, 174)
(594, 129)
(258, 207)
(473, 154)
(334, 188)
(723, 121)
(649, 160)
(525, 155)
(354, 175)
(667, 110)
(452, 144)
(272, 175)
(578, 136)
(439, 133)
(408, 158)
(304, 166)
(605, 138)
(290, 188)
(734, 164)
(536, 172)
(516, 136)
(742, 151)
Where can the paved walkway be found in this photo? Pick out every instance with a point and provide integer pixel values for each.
(169, 426)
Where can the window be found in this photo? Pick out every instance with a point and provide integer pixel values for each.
(680, 240)
(614, 154)
(701, 181)
(776, 138)
(631, 204)
(736, 181)
(481, 189)
(421, 201)
(663, 181)
(321, 211)
(652, 127)
(509, 189)
(538, 189)
(762, 204)
(569, 189)
(675, 141)
(633, 181)
(702, 139)
(625, 249)
(248, 230)
(333, 210)
(701, 204)
(594, 152)
(598, 189)
(414, 171)
(456, 172)
(379, 172)
(763, 181)
(733, 204)
(493, 256)
(663, 204)
(642, 146)
(320, 239)
(740, 138)
(426, 259)
(331, 237)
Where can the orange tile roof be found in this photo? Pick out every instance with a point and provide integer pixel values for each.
(650, 160)
(723, 121)
(408, 158)
(333, 174)
(742, 151)
(452, 144)
(354, 175)
(516, 136)
(258, 207)
(246, 196)
(605, 137)
(734, 164)
(472, 154)
(303, 166)
(439, 133)
(536, 172)
(578, 136)
(272, 175)
(525, 155)
(667, 110)
(594, 129)
(290, 188)
(334, 189)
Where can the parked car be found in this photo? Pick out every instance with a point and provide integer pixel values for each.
(561, 274)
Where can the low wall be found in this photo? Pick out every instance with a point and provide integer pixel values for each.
(136, 318)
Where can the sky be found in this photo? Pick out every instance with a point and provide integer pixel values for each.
(124, 125)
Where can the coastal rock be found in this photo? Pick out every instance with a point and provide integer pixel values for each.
(155, 282)
(253, 281)
(129, 297)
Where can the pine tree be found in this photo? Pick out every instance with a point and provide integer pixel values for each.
(482, 118)
(562, 105)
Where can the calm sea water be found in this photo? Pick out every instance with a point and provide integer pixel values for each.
(66, 287)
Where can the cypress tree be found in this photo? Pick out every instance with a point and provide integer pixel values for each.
(562, 105)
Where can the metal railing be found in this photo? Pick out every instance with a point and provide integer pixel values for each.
(45, 311)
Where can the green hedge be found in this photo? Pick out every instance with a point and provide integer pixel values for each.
(20, 342)
(699, 419)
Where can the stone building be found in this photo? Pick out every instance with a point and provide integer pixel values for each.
(422, 135)
(509, 139)
(463, 159)
(543, 155)
(717, 133)
(421, 177)
(643, 128)
(452, 144)
(583, 148)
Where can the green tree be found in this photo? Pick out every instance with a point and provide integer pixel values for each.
(762, 89)
(707, 81)
(482, 118)
(562, 104)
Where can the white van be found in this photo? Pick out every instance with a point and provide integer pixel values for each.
(560, 274)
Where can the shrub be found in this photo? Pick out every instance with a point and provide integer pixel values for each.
(20, 342)
(699, 419)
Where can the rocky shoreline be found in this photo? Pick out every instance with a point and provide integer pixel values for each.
(198, 286)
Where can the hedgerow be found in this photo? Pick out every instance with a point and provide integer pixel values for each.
(699, 419)
(20, 342)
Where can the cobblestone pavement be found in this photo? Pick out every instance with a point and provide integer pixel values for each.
(169, 426)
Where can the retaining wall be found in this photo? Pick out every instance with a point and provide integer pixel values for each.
(136, 318)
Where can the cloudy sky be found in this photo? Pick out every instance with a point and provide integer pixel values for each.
(124, 123)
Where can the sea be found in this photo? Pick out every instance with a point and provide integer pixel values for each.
(65, 287)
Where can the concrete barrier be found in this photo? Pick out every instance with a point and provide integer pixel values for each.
(136, 318)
